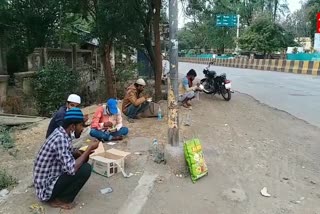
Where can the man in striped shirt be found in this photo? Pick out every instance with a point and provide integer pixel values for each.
(60, 171)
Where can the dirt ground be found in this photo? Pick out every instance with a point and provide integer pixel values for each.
(247, 146)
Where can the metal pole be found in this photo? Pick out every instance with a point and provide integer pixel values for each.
(173, 83)
(238, 32)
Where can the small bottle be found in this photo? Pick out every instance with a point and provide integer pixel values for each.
(159, 114)
(155, 147)
(155, 142)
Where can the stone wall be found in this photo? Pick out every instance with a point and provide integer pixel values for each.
(81, 61)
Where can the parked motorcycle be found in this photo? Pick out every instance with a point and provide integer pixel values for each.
(216, 84)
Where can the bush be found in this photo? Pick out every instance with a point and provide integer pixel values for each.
(52, 85)
(6, 140)
(124, 74)
(6, 180)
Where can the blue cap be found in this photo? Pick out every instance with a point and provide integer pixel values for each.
(74, 115)
(112, 106)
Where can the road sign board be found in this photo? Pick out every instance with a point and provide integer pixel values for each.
(318, 23)
(227, 20)
(317, 42)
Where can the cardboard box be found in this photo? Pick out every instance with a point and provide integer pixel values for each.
(106, 163)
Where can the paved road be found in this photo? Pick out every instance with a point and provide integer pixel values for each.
(298, 95)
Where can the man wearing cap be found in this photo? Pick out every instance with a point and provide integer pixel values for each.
(57, 119)
(59, 170)
(107, 122)
(134, 103)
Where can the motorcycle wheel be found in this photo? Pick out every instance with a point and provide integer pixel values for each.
(204, 82)
(227, 95)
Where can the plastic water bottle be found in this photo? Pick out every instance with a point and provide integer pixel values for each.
(159, 114)
(155, 142)
(155, 147)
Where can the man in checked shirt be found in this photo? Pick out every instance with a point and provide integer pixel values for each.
(60, 171)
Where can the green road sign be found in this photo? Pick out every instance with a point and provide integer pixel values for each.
(226, 20)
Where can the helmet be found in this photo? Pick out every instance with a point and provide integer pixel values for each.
(141, 82)
(73, 98)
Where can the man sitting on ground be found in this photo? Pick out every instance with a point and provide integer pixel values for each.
(107, 122)
(134, 103)
(57, 119)
(60, 171)
(187, 90)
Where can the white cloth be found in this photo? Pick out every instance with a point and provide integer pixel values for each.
(165, 67)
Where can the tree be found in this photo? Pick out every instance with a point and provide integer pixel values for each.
(247, 9)
(148, 16)
(3, 28)
(108, 22)
(202, 32)
(128, 24)
(157, 48)
(312, 7)
(297, 23)
(265, 36)
(133, 24)
(31, 24)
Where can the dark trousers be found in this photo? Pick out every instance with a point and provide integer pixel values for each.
(106, 136)
(68, 187)
(133, 111)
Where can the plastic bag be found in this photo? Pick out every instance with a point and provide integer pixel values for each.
(195, 160)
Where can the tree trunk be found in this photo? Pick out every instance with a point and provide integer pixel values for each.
(108, 73)
(276, 4)
(3, 65)
(157, 50)
(262, 5)
(149, 48)
(148, 40)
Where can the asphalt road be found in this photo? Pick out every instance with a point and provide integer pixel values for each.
(296, 94)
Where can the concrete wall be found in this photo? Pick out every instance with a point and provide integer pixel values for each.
(3, 74)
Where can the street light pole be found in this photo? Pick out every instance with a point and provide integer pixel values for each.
(238, 32)
(173, 82)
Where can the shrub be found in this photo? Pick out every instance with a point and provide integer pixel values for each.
(124, 74)
(52, 85)
(6, 140)
(6, 180)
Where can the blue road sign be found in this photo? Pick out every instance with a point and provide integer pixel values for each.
(228, 20)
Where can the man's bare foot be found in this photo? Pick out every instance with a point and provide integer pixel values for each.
(189, 103)
(185, 105)
(62, 205)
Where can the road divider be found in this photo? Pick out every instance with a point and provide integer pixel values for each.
(280, 65)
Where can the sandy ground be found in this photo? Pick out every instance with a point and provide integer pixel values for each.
(247, 146)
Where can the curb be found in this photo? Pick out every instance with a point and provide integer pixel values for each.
(279, 65)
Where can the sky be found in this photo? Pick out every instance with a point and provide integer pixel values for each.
(293, 6)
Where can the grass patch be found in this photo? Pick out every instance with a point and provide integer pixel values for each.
(6, 180)
(6, 140)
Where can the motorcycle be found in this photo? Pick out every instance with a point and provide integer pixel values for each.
(216, 84)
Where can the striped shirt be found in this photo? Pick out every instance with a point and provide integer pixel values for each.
(54, 159)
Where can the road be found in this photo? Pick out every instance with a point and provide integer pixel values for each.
(298, 95)
(247, 146)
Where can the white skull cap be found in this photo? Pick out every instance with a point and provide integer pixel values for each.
(74, 98)
(141, 82)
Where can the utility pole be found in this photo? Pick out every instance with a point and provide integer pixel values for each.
(173, 83)
(238, 32)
